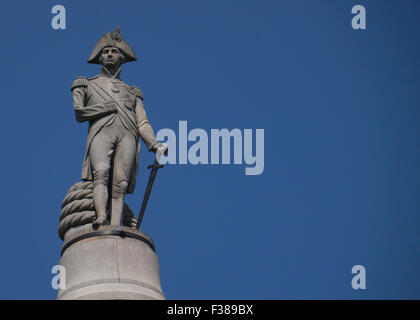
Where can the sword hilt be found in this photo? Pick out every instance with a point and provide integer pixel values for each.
(154, 165)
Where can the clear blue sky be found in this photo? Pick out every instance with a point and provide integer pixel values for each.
(340, 110)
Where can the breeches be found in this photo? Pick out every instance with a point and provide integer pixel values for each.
(113, 147)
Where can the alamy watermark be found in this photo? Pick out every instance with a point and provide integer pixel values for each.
(58, 22)
(219, 147)
(359, 20)
(358, 282)
(59, 280)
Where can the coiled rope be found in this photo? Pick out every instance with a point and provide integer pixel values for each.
(78, 209)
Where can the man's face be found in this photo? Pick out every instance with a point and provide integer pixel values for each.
(111, 57)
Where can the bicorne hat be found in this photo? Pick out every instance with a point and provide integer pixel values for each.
(112, 39)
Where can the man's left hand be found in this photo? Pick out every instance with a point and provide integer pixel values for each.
(160, 149)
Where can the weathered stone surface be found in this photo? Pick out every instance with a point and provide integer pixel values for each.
(109, 261)
(122, 265)
(117, 120)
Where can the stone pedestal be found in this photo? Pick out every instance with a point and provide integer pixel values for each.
(109, 263)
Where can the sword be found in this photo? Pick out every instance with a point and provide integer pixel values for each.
(155, 166)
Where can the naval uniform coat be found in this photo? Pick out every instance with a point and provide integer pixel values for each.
(99, 100)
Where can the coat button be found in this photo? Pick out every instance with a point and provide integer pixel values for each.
(115, 89)
(128, 104)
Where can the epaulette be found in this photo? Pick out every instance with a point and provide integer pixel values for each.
(138, 92)
(79, 82)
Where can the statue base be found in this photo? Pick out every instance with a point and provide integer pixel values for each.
(109, 263)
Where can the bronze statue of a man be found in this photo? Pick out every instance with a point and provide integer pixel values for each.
(117, 120)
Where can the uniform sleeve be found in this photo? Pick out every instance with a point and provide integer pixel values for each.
(86, 113)
(143, 125)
